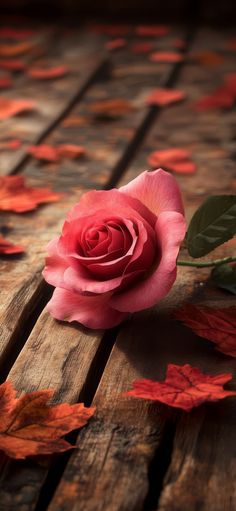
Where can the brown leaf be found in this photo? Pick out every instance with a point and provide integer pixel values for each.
(16, 196)
(216, 325)
(184, 387)
(29, 426)
(6, 247)
(11, 107)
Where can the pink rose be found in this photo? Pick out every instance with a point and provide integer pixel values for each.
(117, 251)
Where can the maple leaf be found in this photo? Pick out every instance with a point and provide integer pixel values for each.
(14, 50)
(10, 107)
(29, 426)
(216, 325)
(220, 98)
(184, 387)
(115, 44)
(70, 151)
(164, 97)
(207, 58)
(152, 30)
(111, 107)
(16, 196)
(48, 73)
(12, 64)
(166, 56)
(175, 159)
(6, 247)
(140, 48)
(44, 152)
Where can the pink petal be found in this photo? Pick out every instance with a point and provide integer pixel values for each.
(170, 231)
(55, 265)
(91, 311)
(157, 190)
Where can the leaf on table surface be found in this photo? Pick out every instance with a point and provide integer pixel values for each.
(184, 387)
(111, 107)
(15, 33)
(164, 97)
(175, 159)
(179, 43)
(220, 98)
(8, 248)
(166, 56)
(212, 224)
(5, 82)
(224, 276)
(207, 58)
(70, 151)
(230, 83)
(48, 73)
(74, 120)
(216, 325)
(30, 426)
(152, 30)
(13, 144)
(16, 49)
(10, 107)
(115, 44)
(16, 196)
(44, 152)
(140, 48)
(12, 64)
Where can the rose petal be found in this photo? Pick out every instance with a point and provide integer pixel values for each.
(91, 311)
(170, 230)
(158, 190)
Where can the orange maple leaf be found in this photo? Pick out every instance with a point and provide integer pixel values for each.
(48, 73)
(16, 196)
(29, 426)
(163, 97)
(7, 248)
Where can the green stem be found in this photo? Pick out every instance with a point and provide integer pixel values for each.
(207, 264)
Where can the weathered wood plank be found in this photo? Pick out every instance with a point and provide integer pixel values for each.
(111, 468)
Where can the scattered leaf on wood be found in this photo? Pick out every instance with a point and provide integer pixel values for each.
(15, 33)
(220, 98)
(14, 50)
(71, 151)
(13, 144)
(175, 159)
(164, 97)
(7, 248)
(10, 107)
(216, 325)
(16, 196)
(44, 152)
(116, 44)
(30, 426)
(12, 64)
(5, 82)
(152, 30)
(140, 48)
(166, 56)
(207, 58)
(179, 43)
(184, 387)
(74, 120)
(48, 73)
(111, 107)
(230, 83)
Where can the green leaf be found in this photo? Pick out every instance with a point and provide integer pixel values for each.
(224, 276)
(211, 225)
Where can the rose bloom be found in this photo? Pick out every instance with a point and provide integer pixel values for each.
(117, 251)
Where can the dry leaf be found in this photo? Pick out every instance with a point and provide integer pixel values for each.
(11, 107)
(48, 73)
(216, 325)
(71, 151)
(29, 426)
(7, 248)
(16, 196)
(207, 58)
(184, 387)
(44, 152)
(111, 107)
(140, 48)
(5, 82)
(175, 159)
(165, 97)
(74, 120)
(116, 44)
(166, 56)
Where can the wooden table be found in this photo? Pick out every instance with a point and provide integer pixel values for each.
(133, 455)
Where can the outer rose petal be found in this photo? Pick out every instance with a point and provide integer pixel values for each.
(91, 311)
(55, 265)
(170, 230)
(157, 190)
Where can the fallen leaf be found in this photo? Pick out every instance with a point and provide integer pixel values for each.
(216, 325)
(115, 44)
(166, 56)
(12, 64)
(164, 97)
(48, 73)
(221, 98)
(175, 159)
(230, 83)
(207, 58)
(5, 82)
(140, 48)
(111, 107)
(183, 167)
(71, 151)
(15, 33)
(185, 387)
(74, 120)
(14, 50)
(152, 30)
(7, 248)
(11, 107)
(44, 152)
(29, 426)
(16, 196)
(179, 43)
(13, 144)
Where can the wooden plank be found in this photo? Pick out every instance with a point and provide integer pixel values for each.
(120, 457)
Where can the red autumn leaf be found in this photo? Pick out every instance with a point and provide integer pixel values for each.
(184, 387)
(70, 151)
(12, 64)
(16, 49)
(11, 107)
(48, 73)
(140, 48)
(183, 167)
(13, 144)
(166, 56)
(216, 325)
(111, 107)
(164, 97)
(74, 120)
(152, 30)
(6, 247)
(16, 196)
(14, 33)
(179, 43)
(115, 44)
(5, 82)
(29, 426)
(230, 83)
(207, 58)
(175, 159)
(44, 152)
(220, 98)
